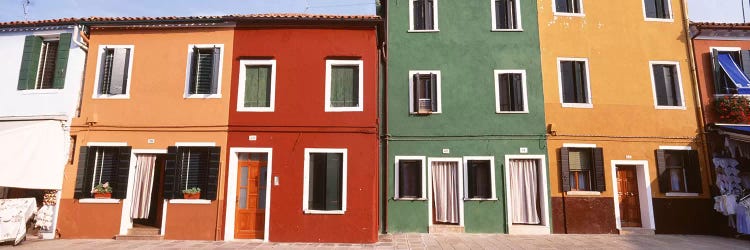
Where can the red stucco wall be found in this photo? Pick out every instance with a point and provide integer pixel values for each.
(704, 66)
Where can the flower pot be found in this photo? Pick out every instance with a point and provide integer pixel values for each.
(102, 195)
(194, 196)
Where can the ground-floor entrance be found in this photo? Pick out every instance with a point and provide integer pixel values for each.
(632, 196)
(248, 194)
(143, 210)
(527, 194)
(446, 192)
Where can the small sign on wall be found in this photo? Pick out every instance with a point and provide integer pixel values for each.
(151, 141)
(524, 150)
(446, 151)
(252, 138)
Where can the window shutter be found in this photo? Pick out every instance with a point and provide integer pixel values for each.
(518, 92)
(717, 70)
(661, 164)
(499, 14)
(598, 154)
(504, 92)
(119, 74)
(433, 92)
(660, 85)
(212, 174)
(171, 177)
(693, 172)
(343, 90)
(84, 175)
(252, 86)
(418, 14)
(216, 62)
(334, 163)
(122, 171)
(579, 69)
(745, 58)
(429, 15)
(61, 62)
(416, 87)
(674, 86)
(564, 169)
(194, 71)
(32, 48)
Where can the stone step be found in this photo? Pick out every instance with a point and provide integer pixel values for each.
(636, 231)
(139, 237)
(439, 229)
(145, 231)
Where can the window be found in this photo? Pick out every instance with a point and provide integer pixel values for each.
(423, 15)
(480, 181)
(344, 88)
(657, 9)
(204, 71)
(189, 167)
(410, 177)
(679, 171)
(424, 92)
(44, 62)
(574, 86)
(99, 165)
(113, 72)
(506, 15)
(510, 89)
(582, 169)
(257, 86)
(325, 181)
(667, 85)
(736, 61)
(568, 7)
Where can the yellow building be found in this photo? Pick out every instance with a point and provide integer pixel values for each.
(624, 144)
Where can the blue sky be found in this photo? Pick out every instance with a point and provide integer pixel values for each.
(724, 11)
(12, 10)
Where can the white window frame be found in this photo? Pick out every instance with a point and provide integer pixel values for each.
(684, 175)
(491, 159)
(581, 193)
(412, 109)
(434, 17)
(580, 3)
(397, 195)
(129, 83)
(723, 49)
(589, 104)
(679, 82)
(653, 19)
(241, 90)
(306, 184)
(518, 17)
(523, 86)
(329, 65)
(186, 93)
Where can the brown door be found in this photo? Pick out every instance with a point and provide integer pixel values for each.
(251, 197)
(627, 193)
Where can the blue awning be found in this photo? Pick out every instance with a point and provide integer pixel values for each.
(745, 130)
(735, 73)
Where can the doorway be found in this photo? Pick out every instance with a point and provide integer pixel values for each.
(250, 212)
(628, 196)
(446, 182)
(632, 196)
(527, 194)
(147, 191)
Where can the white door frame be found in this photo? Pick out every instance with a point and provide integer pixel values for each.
(460, 187)
(232, 190)
(544, 228)
(125, 221)
(644, 192)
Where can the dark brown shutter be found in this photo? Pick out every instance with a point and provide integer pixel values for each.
(429, 20)
(661, 165)
(416, 87)
(433, 92)
(122, 171)
(212, 174)
(418, 15)
(693, 172)
(717, 71)
(564, 169)
(84, 175)
(598, 154)
(171, 181)
(194, 71)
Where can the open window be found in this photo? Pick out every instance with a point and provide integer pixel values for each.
(204, 71)
(100, 165)
(731, 70)
(679, 171)
(423, 15)
(425, 92)
(582, 169)
(575, 89)
(510, 91)
(44, 62)
(506, 15)
(191, 167)
(657, 10)
(325, 181)
(410, 178)
(569, 7)
(113, 74)
(667, 85)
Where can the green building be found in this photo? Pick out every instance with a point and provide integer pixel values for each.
(465, 130)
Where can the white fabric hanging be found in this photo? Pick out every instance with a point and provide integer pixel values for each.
(144, 176)
(524, 188)
(445, 191)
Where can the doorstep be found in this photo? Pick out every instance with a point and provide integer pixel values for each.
(636, 231)
(439, 229)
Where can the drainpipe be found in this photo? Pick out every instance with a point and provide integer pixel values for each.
(78, 34)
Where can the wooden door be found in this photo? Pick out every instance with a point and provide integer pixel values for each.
(627, 193)
(251, 198)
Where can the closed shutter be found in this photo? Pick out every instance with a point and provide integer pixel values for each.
(429, 15)
(598, 154)
(334, 164)
(564, 169)
(416, 92)
(257, 86)
(344, 87)
(693, 172)
(500, 19)
(29, 62)
(203, 69)
(434, 92)
(61, 62)
(418, 14)
(215, 63)
(661, 164)
(171, 177)
(504, 92)
(84, 175)
(212, 174)
(119, 71)
(194, 71)
(122, 171)
(517, 92)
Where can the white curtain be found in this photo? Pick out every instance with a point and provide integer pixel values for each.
(524, 188)
(144, 176)
(445, 191)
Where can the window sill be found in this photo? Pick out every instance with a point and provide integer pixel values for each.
(190, 201)
(203, 96)
(671, 107)
(410, 199)
(570, 14)
(324, 212)
(662, 20)
(120, 97)
(578, 105)
(344, 109)
(583, 193)
(511, 112)
(507, 30)
(731, 95)
(676, 194)
(424, 114)
(264, 110)
(99, 201)
(479, 199)
(40, 91)
(423, 31)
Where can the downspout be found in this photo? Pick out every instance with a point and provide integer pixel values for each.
(78, 34)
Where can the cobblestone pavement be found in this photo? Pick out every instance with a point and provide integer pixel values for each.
(427, 241)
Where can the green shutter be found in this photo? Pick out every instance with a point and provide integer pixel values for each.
(257, 86)
(29, 62)
(61, 62)
(334, 169)
(344, 86)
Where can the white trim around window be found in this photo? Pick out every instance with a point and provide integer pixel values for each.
(524, 90)
(679, 82)
(186, 93)
(519, 26)
(396, 195)
(306, 184)
(434, 17)
(578, 145)
(653, 19)
(589, 98)
(675, 147)
(241, 86)
(581, 14)
(491, 159)
(412, 109)
(329, 65)
(100, 51)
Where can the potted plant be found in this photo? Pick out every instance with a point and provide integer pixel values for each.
(192, 193)
(102, 191)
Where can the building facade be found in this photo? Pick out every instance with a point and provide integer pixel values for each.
(624, 134)
(465, 135)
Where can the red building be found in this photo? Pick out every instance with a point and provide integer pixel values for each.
(303, 130)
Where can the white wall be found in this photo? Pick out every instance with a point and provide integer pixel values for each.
(720, 11)
(49, 102)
